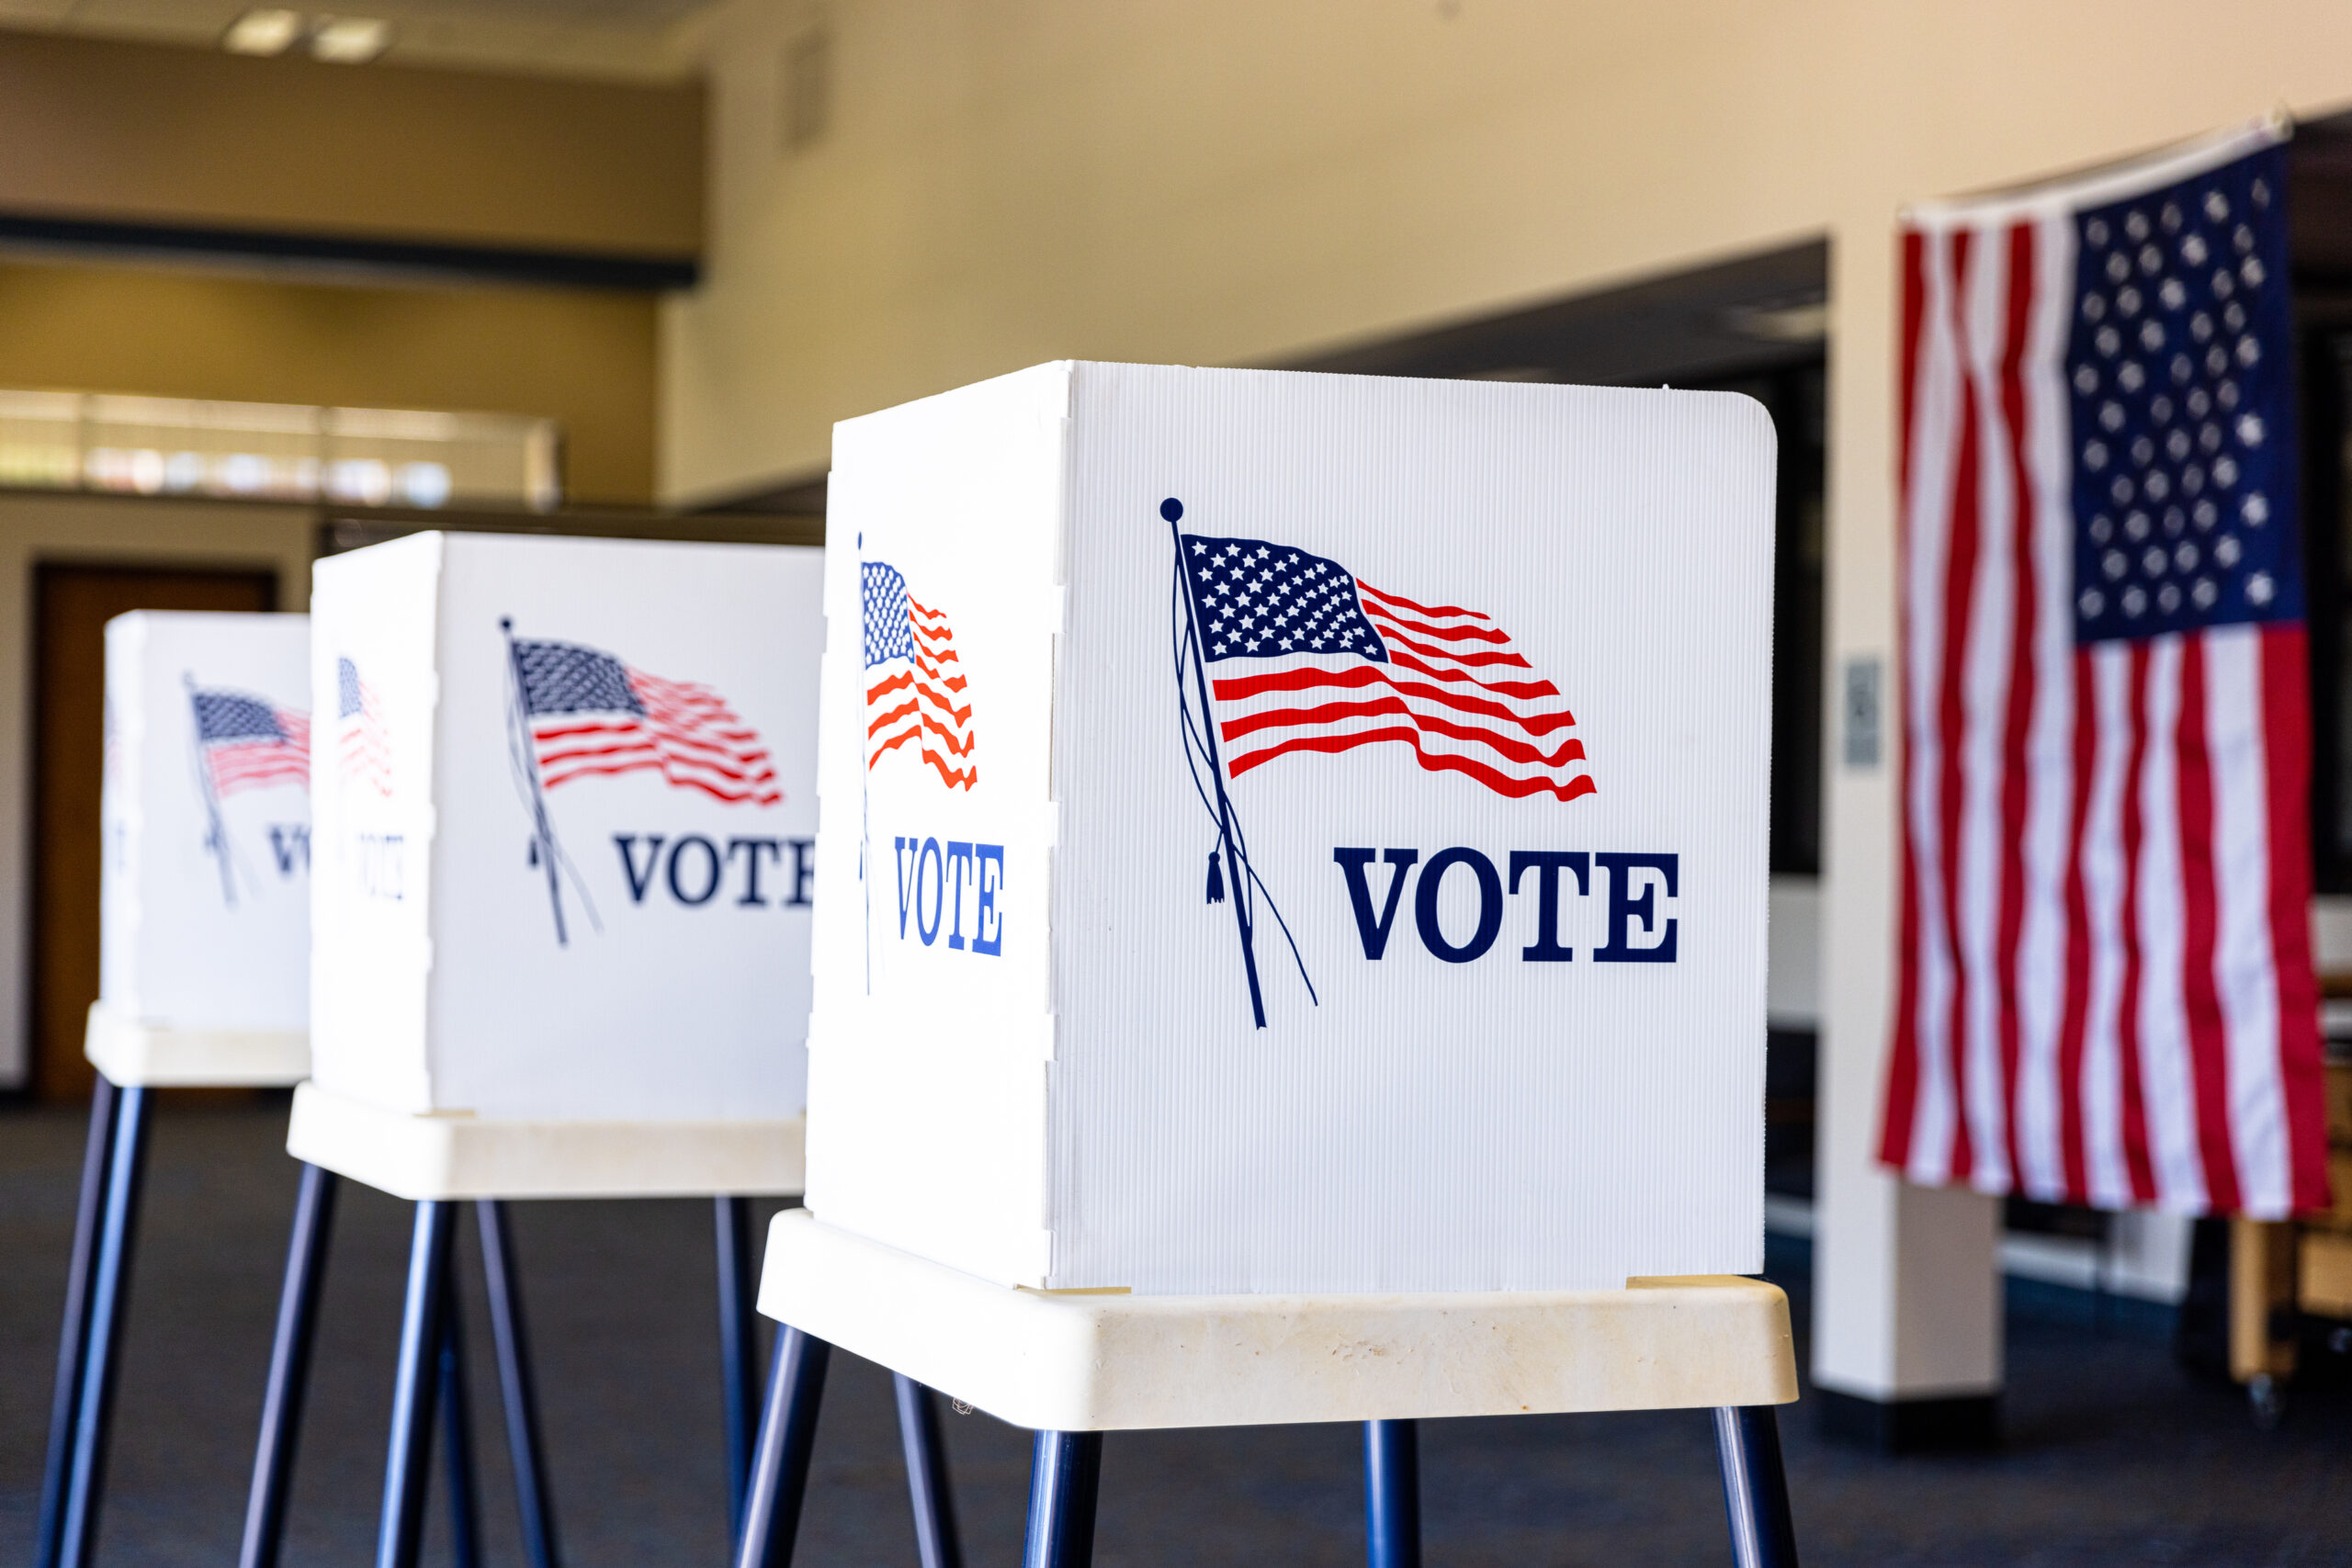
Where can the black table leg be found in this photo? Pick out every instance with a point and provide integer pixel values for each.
(934, 1503)
(1756, 1488)
(109, 1294)
(738, 1347)
(779, 1480)
(403, 1526)
(73, 1340)
(289, 1369)
(532, 1504)
(1065, 1475)
(1392, 1494)
(457, 1438)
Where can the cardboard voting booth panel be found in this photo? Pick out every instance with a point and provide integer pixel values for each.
(204, 906)
(1295, 833)
(566, 828)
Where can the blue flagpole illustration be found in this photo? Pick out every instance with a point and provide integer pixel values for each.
(1173, 511)
(216, 836)
(543, 845)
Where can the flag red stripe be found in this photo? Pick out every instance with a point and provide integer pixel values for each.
(2135, 1113)
(1903, 1065)
(2286, 700)
(2208, 1042)
(1952, 718)
(2074, 1020)
(2016, 766)
(1243, 687)
(1435, 761)
(1403, 603)
(1335, 713)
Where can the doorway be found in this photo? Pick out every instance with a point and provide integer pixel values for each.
(72, 604)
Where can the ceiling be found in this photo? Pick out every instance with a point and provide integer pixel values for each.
(627, 38)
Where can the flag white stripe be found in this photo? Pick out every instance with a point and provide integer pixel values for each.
(2102, 871)
(1986, 682)
(1928, 526)
(2245, 972)
(2050, 736)
(2167, 1078)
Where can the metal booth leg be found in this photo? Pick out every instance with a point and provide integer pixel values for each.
(109, 1291)
(414, 1384)
(1065, 1474)
(532, 1504)
(779, 1478)
(934, 1503)
(289, 1369)
(73, 1340)
(738, 1347)
(1756, 1489)
(457, 1437)
(1392, 1494)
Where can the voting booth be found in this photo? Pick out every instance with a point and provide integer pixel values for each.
(1296, 858)
(1310, 832)
(203, 943)
(565, 843)
(204, 906)
(566, 865)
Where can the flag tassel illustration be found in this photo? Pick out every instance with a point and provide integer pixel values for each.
(1172, 510)
(1200, 746)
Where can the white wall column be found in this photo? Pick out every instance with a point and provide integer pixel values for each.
(1907, 1317)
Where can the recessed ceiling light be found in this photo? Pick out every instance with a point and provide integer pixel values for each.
(265, 30)
(350, 41)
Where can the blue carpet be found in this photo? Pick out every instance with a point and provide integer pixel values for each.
(2113, 1456)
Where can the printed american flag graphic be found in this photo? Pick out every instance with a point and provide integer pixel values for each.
(248, 742)
(916, 689)
(364, 748)
(1317, 659)
(2104, 993)
(591, 714)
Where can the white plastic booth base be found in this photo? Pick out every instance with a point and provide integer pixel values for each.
(448, 1157)
(1074, 1365)
(133, 1055)
(439, 1162)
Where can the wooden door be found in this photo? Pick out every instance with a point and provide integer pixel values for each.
(71, 607)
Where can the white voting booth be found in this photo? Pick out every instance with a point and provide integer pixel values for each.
(565, 848)
(204, 906)
(203, 942)
(1295, 904)
(565, 843)
(1435, 962)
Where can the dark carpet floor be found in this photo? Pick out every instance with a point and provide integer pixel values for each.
(2113, 1454)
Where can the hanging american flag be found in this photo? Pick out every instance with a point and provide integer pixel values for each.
(1317, 659)
(916, 689)
(364, 748)
(2105, 993)
(247, 742)
(591, 714)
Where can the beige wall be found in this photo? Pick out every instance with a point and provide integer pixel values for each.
(1236, 181)
(34, 529)
(154, 133)
(1228, 181)
(581, 357)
